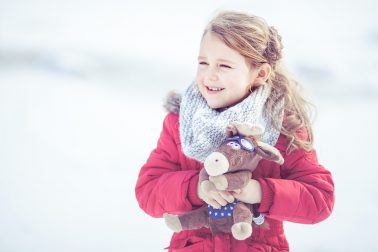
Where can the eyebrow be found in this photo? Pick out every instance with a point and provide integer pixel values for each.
(220, 59)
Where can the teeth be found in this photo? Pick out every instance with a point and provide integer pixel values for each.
(214, 89)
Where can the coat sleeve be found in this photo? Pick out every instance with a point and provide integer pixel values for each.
(304, 194)
(162, 185)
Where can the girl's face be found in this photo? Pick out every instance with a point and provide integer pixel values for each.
(223, 75)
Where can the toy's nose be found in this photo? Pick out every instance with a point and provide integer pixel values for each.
(216, 164)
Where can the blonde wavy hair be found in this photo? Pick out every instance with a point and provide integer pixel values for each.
(260, 43)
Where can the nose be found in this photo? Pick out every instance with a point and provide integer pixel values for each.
(211, 75)
(216, 164)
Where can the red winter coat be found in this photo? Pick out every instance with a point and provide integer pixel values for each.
(301, 190)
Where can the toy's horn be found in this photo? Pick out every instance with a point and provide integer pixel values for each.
(231, 130)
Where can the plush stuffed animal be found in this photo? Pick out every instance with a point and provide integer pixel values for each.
(229, 168)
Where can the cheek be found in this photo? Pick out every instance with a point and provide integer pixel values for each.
(240, 88)
(235, 77)
(199, 82)
(199, 76)
(242, 82)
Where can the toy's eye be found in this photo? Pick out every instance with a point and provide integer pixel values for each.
(246, 144)
(234, 146)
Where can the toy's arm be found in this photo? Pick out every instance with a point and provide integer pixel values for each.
(203, 176)
(231, 181)
(209, 193)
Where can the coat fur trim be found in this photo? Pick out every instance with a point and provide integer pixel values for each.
(172, 102)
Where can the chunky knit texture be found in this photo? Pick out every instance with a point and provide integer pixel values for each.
(203, 129)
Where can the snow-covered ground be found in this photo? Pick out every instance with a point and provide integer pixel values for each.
(81, 90)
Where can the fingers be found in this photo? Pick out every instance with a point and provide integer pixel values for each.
(227, 196)
(236, 192)
(208, 193)
(213, 203)
(217, 199)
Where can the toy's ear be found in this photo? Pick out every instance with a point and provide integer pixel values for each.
(269, 152)
(248, 129)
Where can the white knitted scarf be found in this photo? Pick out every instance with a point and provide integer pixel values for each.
(203, 129)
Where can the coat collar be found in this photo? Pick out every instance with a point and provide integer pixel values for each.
(172, 102)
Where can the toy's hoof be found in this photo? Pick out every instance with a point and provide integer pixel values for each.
(241, 230)
(173, 222)
(220, 182)
(207, 186)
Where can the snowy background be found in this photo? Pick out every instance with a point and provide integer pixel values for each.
(81, 90)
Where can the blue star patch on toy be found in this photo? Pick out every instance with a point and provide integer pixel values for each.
(223, 212)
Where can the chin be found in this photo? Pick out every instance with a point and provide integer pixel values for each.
(214, 105)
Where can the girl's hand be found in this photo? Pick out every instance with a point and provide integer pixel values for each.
(251, 193)
(208, 193)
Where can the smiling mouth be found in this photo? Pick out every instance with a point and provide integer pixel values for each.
(214, 88)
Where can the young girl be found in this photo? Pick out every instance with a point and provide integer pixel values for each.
(241, 78)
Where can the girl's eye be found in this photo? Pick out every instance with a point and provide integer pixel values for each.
(225, 66)
(202, 63)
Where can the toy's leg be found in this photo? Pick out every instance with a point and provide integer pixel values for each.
(242, 227)
(188, 221)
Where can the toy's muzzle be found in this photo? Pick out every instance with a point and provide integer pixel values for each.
(216, 164)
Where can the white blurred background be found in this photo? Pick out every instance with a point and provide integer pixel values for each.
(82, 85)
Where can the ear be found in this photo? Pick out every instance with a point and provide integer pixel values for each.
(263, 74)
(248, 129)
(269, 152)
